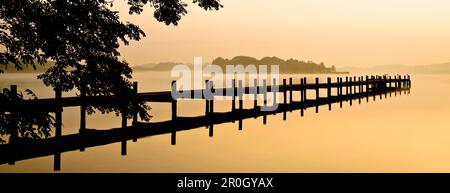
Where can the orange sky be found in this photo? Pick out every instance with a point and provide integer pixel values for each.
(337, 32)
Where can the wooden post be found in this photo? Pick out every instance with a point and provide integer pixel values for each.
(395, 81)
(346, 85)
(405, 82)
(58, 127)
(58, 112)
(284, 92)
(337, 88)
(317, 89)
(409, 81)
(374, 86)
(401, 80)
(302, 89)
(367, 88)
(351, 85)
(329, 93)
(358, 84)
(284, 99)
(265, 100)
(317, 95)
(240, 124)
(359, 89)
(264, 119)
(57, 161)
(211, 130)
(340, 91)
(381, 82)
(367, 84)
(240, 104)
(211, 102)
(395, 84)
(173, 133)
(328, 87)
(82, 109)
(350, 96)
(255, 102)
(207, 101)
(361, 82)
(240, 96)
(211, 110)
(385, 86)
(290, 90)
(135, 103)
(124, 126)
(173, 137)
(390, 82)
(409, 84)
(390, 86)
(265, 93)
(305, 96)
(302, 95)
(233, 104)
(275, 94)
(174, 102)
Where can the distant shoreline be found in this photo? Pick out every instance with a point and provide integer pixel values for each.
(168, 70)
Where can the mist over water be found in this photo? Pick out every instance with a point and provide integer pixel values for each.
(403, 133)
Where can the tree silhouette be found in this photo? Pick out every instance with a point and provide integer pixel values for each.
(82, 38)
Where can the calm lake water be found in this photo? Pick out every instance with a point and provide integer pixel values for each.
(407, 133)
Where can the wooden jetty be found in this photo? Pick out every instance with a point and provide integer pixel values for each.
(356, 88)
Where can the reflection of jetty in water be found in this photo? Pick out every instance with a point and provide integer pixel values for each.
(356, 89)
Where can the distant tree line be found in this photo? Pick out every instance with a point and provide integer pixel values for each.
(286, 66)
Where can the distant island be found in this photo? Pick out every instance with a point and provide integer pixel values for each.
(290, 66)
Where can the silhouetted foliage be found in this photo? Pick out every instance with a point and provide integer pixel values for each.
(23, 124)
(170, 11)
(82, 38)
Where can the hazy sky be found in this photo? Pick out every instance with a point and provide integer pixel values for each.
(337, 32)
